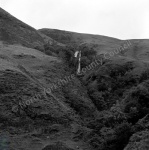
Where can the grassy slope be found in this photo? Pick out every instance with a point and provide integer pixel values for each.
(100, 43)
(23, 74)
(139, 48)
(14, 31)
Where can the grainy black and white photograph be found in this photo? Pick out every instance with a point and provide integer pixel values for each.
(74, 74)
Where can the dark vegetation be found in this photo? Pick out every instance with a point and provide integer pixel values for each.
(117, 91)
(109, 104)
(66, 53)
(125, 97)
(122, 98)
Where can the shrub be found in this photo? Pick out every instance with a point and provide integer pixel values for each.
(98, 100)
(123, 133)
(136, 103)
(144, 75)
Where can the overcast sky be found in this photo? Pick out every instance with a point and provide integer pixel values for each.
(123, 19)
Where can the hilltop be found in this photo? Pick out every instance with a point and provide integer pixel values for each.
(14, 31)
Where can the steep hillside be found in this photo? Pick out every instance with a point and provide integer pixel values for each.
(118, 88)
(31, 100)
(14, 31)
(45, 105)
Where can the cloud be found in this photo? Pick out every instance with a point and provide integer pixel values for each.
(124, 19)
